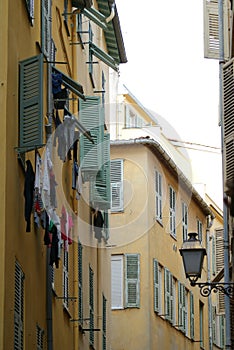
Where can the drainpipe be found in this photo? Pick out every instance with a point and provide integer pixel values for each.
(208, 238)
(49, 315)
(225, 212)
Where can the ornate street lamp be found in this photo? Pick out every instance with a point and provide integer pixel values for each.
(193, 255)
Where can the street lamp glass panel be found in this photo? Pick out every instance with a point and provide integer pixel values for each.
(193, 261)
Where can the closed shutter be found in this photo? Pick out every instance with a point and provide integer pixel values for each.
(104, 301)
(167, 293)
(100, 189)
(214, 325)
(211, 29)
(91, 307)
(80, 282)
(213, 256)
(65, 279)
(220, 265)
(31, 103)
(228, 119)
(92, 118)
(132, 273)
(116, 178)
(156, 286)
(45, 40)
(180, 304)
(191, 316)
(19, 308)
(222, 331)
(117, 282)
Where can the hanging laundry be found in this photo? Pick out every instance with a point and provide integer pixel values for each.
(54, 259)
(65, 225)
(46, 179)
(28, 193)
(98, 223)
(38, 171)
(53, 184)
(57, 80)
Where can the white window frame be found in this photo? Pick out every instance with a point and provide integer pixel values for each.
(185, 221)
(172, 206)
(158, 196)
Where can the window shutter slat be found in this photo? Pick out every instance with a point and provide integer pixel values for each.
(31, 103)
(132, 280)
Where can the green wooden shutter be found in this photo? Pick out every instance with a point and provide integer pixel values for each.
(91, 307)
(214, 324)
(116, 179)
(80, 282)
(172, 212)
(156, 286)
(180, 305)
(45, 40)
(100, 189)
(92, 118)
(19, 308)
(31, 103)
(104, 301)
(191, 316)
(222, 331)
(106, 226)
(132, 274)
(65, 279)
(167, 293)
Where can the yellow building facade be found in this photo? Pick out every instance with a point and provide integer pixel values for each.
(154, 207)
(55, 63)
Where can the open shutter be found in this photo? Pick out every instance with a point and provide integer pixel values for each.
(191, 316)
(117, 282)
(45, 40)
(228, 119)
(219, 265)
(156, 286)
(116, 178)
(158, 190)
(31, 103)
(211, 29)
(80, 282)
(222, 331)
(92, 118)
(132, 274)
(100, 189)
(172, 212)
(167, 295)
(19, 308)
(214, 337)
(180, 305)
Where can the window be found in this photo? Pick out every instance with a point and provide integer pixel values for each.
(125, 268)
(19, 308)
(157, 287)
(132, 120)
(116, 178)
(30, 10)
(172, 195)
(91, 307)
(31, 103)
(182, 308)
(103, 322)
(199, 229)
(185, 221)
(191, 316)
(201, 306)
(158, 195)
(80, 283)
(45, 22)
(40, 338)
(65, 279)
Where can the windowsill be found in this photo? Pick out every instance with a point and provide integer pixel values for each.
(159, 222)
(65, 309)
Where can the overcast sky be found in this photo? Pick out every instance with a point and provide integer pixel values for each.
(168, 73)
